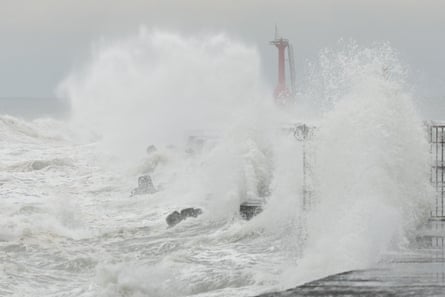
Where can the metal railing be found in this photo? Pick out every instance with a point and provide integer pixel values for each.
(437, 141)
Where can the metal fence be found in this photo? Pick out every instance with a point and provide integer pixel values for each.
(437, 140)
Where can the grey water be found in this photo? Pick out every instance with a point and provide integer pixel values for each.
(29, 107)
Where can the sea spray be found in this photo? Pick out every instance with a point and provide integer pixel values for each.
(159, 87)
(371, 169)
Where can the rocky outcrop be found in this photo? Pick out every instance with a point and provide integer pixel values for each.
(145, 186)
(176, 217)
(249, 210)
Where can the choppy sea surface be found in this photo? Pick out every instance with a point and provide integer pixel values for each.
(69, 227)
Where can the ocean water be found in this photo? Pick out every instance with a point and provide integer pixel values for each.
(68, 226)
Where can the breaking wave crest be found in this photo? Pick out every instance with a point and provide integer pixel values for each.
(13, 129)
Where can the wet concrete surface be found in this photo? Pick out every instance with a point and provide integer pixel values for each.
(417, 273)
(407, 279)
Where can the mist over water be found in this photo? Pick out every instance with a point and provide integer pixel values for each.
(368, 170)
(158, 87)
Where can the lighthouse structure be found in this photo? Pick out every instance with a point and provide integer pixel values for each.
(282, 93)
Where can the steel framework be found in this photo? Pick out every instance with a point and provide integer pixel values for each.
(437, 141)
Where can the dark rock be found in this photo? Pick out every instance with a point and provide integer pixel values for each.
(249, 210)
(191, 212)
(145, 186)
(176, 217)
(39, 165)
(151, 149)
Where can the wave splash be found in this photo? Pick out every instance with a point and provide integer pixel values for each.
(371, 167)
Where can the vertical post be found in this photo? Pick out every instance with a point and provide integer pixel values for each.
(441, 170)
(290, 52)
(305, 198)
(437, 168)
(281, 64)
(301, 133)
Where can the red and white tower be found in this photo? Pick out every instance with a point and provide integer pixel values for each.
(282, 93)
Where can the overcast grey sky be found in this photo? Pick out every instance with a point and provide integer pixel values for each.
(42, 40)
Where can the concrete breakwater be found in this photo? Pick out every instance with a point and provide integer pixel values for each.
(419, 274)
